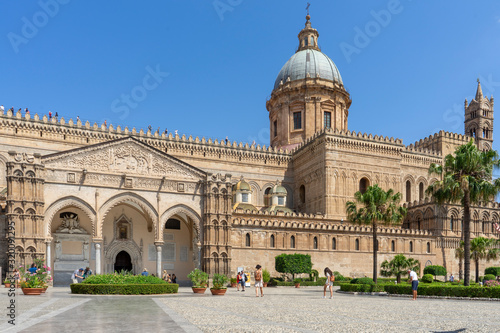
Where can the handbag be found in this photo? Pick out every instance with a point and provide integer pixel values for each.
(332, 278)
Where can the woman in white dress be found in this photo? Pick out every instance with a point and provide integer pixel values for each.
(329, 282)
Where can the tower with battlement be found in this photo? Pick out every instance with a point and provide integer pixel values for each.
(479, 119)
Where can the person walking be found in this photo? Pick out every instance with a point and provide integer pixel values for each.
(414, 283)
(238, 281)
(329, 282)
(243, 280)
(452, 278)
(173, 278)
(258, 281)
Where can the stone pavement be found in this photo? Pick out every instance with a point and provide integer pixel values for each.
(283, 309)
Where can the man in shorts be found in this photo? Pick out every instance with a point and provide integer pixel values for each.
(258, 281)
(414, 283)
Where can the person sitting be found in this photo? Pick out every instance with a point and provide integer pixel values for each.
(33, 269)
(164, 276)
(145, 272)
(173, 279)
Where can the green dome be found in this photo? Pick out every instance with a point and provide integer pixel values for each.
(278, 189)
(242, 186)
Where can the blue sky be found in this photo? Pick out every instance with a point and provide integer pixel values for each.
(205, 68)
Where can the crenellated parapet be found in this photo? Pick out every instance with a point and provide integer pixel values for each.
(441, 143)
(77, 133)
(355, 141)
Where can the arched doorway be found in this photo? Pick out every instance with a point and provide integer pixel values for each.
(123, 262)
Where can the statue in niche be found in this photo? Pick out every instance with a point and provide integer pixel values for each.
(86, 250)
(58, 249)
(71, 225)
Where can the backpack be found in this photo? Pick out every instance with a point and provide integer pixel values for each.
(258, 275)
(245, 277)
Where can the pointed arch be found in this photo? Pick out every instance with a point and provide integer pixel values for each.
(182, 209)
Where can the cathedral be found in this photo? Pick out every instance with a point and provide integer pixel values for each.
(79, 194)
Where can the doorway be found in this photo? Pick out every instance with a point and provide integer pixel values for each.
(123, 262)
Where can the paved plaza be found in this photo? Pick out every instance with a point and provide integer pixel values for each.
(282, 309)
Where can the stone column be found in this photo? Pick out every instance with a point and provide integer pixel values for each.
(97, 258)
(158, 259)
(199, 254)
(48, 255)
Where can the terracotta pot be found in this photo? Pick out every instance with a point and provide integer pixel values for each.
(32, 291)
(199, 290)
(297, 285)
(219, 292)
(265, 284)
(233, 285)
(44, 289)
(7, 285)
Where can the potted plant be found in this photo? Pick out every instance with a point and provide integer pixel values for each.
(266, 277)
(35, 283)
(6, 282)
(233, 282)
(199, 280)
(297, 282)
(219, 282)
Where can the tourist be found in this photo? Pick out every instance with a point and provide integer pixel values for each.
(258, 281)
(166, 131)
(145, 272)
(150, 128)
(452, 278)
(329, 282)
(16, 276)
(33, 269)
(87, 272)
(56, 115)
(50, 114)
(414, 283)
(173, 279)
(243, 280)
(238, 281)
(77, 118)
(26, 111)
(164, 276)
(77, 274)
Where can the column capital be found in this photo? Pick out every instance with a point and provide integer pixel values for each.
(159, 243)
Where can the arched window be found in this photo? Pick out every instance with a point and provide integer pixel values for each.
(421, 191)
(306, 40)
(292, 242)
(428, 247)
(356, 245)
(247, 240)
(411, 246)
(393, 246)
(173, 224)
(408, 191)
(302, 194)
(272, 241)
(267, 197)
(363, 185)
(315, 243)
(451, 223)
(312, 40)
(334, 243)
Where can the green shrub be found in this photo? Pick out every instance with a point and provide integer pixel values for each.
(427, 278)
(489, 277)
(122, 279)
(297, 281)
(293, 263)
(219, 281)
(339, 277)
(234, 280)
(124, 289)
(492, 270)
(313, 276)
(435, 270)
(364, 280)
(199, 278)
(266, 276)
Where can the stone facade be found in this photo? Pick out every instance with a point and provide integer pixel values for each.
(117, 198)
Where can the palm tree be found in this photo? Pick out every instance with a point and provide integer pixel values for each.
(482, 248)
(377, 205)
(459, 254)
(466, 178)
(399, 266)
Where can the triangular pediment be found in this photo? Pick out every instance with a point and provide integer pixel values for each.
(127, 156)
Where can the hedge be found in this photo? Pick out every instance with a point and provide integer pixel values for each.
(363, 288)
(124, 289)
(492, 270)
(122, 279)
(364, 280)
(445, 290)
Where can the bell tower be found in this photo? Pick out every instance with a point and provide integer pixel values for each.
(479, 119)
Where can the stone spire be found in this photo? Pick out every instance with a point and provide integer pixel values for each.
(479, 92)
(308, 37)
